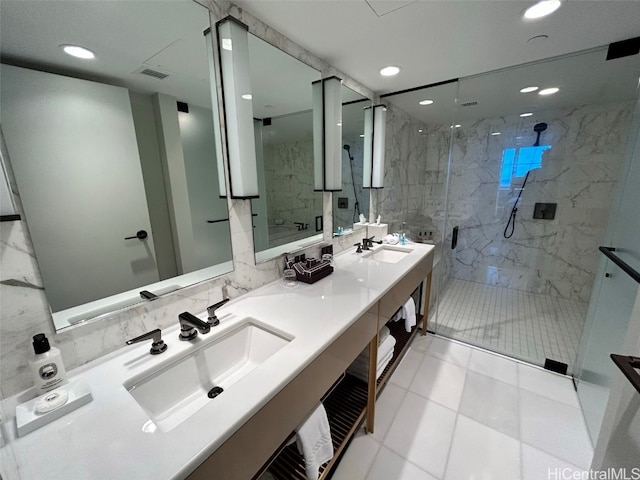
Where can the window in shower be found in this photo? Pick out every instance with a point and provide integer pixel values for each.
(517, 162)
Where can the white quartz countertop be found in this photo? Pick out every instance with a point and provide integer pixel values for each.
(112, 437)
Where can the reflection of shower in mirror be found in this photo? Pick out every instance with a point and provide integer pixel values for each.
(356, 205)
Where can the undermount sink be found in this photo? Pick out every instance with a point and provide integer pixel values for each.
(388, 253)
(175, 392)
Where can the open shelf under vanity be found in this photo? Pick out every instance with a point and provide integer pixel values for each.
(346, 406)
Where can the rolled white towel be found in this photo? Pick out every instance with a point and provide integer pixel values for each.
(391, 239)
(314, 441)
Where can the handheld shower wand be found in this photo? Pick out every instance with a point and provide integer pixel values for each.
(511, 223)
(356, 206)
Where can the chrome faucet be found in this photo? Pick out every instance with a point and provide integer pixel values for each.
(213, 320)
(190, 325)
(157, 346)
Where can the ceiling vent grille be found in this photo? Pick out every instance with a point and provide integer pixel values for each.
(469, 104)
(154, 74)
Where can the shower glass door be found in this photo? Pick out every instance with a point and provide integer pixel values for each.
(536, 155)
(418, 147)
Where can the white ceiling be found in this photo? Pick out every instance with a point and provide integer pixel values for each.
(584, 79)
(432, 40)
(126, 36)
(436, 40)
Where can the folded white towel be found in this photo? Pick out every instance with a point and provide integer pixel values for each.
(363, 372)
(383, 334)
(314, 441)
(409, 314)
(391, 239)
(360, 367)
(384, 348)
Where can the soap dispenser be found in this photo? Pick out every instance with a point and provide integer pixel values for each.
(47, 367)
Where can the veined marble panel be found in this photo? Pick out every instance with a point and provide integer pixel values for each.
(290, 188)
(579, 173)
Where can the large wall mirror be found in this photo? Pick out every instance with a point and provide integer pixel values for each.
(115, 155)
(287, 216)
(353, 200)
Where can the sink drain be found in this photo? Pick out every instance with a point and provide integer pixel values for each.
(214, 392)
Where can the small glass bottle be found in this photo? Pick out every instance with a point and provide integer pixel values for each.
(47, 367)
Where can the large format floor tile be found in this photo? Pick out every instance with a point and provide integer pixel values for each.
(537, 465)
(555, 428)
(494, 366)
(492, 403)
(440, 381)
(389, 465)
(405, 372)
(548, 384)
(479, 452)
(387, 407)
(450, 351)
(421, 433)
(358, 458)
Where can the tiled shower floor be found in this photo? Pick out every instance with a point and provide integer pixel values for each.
(529, 326)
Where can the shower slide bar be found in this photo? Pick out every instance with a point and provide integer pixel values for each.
(629, 366)
(608, 251)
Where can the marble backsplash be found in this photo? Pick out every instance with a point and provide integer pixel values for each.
(579, 172)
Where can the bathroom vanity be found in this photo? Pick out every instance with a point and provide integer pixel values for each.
(150, 417)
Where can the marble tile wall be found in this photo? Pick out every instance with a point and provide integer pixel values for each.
(24, 310)
(289, 183)
(579, 173)
(415, 175)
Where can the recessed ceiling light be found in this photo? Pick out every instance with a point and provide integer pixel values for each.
(78, 52)
(549, 91)
(528, 114)
(457, 125)
(247, 96)
(420, 130)
(389, 71)
(528, 89)
(362, 135)
(495, 133)
(426, 102)
(542, 9)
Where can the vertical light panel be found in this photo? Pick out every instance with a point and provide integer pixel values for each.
(327, 134)
(332, 134)
(367, 155)
(233, 46)
(216, 112)
(318, 136)
(379, 129)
